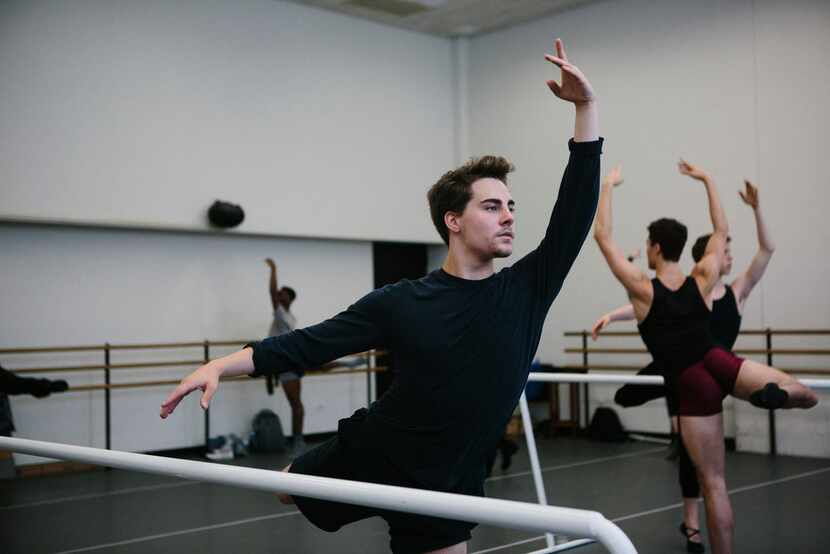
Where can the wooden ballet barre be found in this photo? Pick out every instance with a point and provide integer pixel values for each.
(785, 351)
(146, 346)
(606, 351)
(111, 366)
(622, 367)
(100, 367)
(114, 386)
(143, 384)
(48, 349)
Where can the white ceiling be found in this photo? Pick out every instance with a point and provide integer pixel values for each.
(448, 18)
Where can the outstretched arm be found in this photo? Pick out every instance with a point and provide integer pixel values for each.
(636, 282)
(707, 270)
(623, 313)
(12, 384)
(361, 327)
(745, 282)
(272, 283)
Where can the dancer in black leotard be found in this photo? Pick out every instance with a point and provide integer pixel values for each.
(724, 323)
(673, 312)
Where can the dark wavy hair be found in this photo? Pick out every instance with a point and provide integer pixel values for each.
(671, 235)
(453, 190)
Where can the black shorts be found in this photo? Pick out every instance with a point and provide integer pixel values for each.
(409, 533)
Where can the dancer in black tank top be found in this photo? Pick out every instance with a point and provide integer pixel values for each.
(725, 324)
(674, 308)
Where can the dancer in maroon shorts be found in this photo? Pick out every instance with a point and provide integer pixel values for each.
(725, 323)
(673, 312)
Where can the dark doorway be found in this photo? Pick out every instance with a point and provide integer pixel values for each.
(392, 262)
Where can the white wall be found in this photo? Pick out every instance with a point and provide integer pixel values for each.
(738, 87)
(101, 123)
(143, 113)
(87, 286)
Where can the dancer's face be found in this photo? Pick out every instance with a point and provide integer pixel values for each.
(285, 298)
(486, 225)
(726, 269)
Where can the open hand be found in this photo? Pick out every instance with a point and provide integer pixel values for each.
(574, 86)
(750, 195)
(206, 379)
(599, 325)
(692, 171)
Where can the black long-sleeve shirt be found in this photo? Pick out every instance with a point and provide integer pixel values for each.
(462, 347)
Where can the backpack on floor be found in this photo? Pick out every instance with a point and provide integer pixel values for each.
(266, 433)
(606, 426)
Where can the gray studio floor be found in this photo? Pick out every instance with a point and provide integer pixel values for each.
(781, 505)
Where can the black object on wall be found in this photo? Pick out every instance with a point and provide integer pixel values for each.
(392, 262)
(225, 215)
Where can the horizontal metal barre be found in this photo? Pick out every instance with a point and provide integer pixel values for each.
(610, 378)
(781, 351)
(503, 513)
(745, 332)
(638, 367)
(621, 378)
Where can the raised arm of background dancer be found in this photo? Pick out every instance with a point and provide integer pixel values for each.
(623, 313)
(746, 281)
(707, 270)
(357, 329)
(272, 283)
(631, 277)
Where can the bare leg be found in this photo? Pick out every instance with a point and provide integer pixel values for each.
(703, 437)
(284, 498)
(691, 516)
(292, 393)
(754, 376)
(689, 489)
(460, 548)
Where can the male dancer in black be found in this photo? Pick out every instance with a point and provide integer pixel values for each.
(673, 313)
(464, 337)
(727, 307)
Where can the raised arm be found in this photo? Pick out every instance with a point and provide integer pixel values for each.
(546, 267)
(272, 283)
(707, 271)
(576, 89)
(631, 277)
(747, 280)
(357, 329)
(623, 313)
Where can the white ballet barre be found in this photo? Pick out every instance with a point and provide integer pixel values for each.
(628, 379)
(606, 378)
(503, 513)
